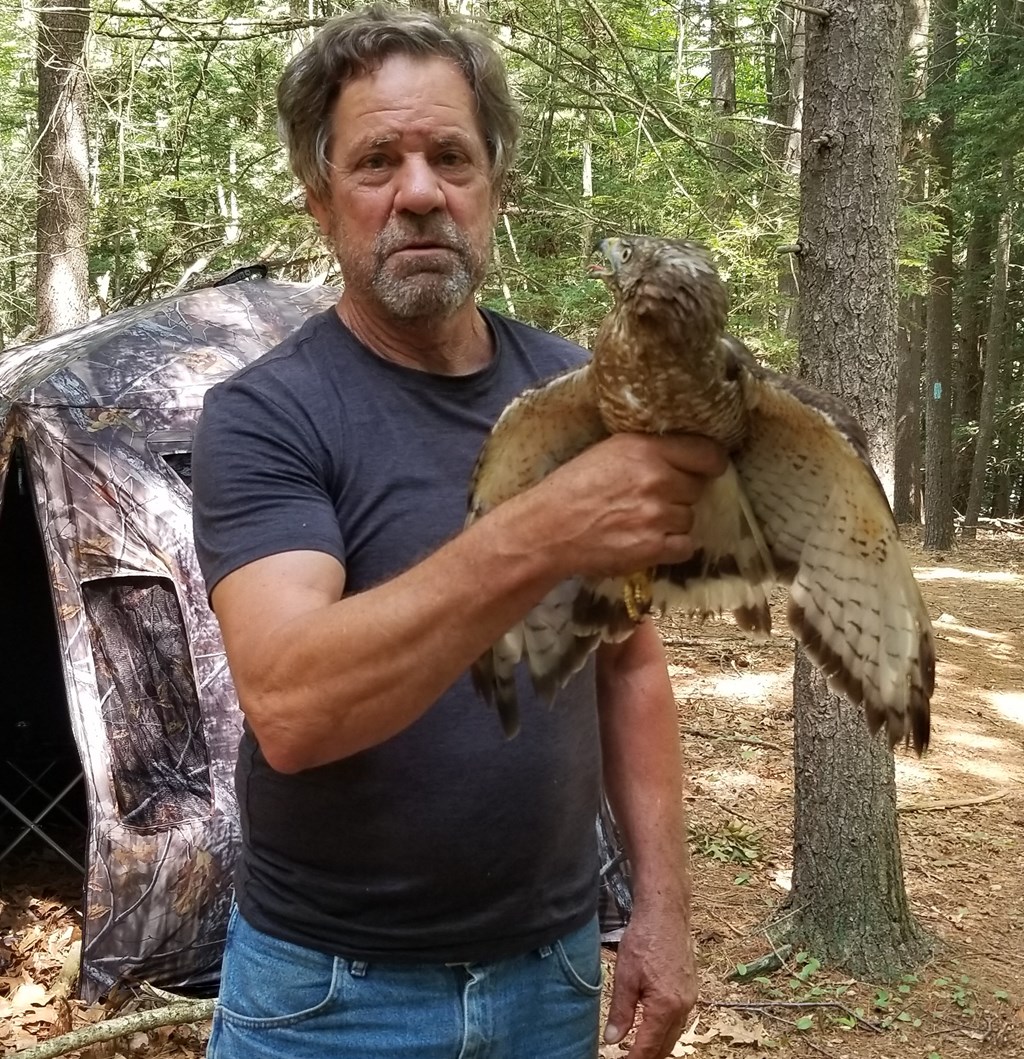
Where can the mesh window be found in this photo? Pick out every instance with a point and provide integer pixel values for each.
(181, 464)
(150, 705)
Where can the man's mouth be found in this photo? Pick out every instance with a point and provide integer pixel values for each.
(423, 247)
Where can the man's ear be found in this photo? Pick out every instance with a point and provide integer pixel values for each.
(319, 211)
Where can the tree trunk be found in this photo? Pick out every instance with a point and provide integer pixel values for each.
(906, 501)
(62, 211)
(974, 289)
(993, 357)
(849, 902)
(787, 100)
(938, 496)
(723, 79)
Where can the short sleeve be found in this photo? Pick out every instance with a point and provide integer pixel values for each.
(259, 480)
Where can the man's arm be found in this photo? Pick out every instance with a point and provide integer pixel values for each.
(643, 779)
(321, 677)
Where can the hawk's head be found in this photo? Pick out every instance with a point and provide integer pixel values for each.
(672, 280)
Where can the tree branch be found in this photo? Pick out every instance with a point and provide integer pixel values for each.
(821, 12)
(171, 1015)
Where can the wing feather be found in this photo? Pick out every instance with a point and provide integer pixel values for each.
(539, 431)
(854, 603)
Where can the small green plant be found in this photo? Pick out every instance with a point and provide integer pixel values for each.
(736, 843)
(959, 991)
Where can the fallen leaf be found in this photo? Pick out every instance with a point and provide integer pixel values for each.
(738, 1030)
(47, 1014)
(612, 1051)
(691, 1036)
(28, 994)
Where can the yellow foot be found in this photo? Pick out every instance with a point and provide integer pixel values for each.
(636, 594)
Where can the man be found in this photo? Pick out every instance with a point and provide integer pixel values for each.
(410, 883)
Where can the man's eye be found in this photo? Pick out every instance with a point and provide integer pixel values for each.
(375, 161)
(452, 158)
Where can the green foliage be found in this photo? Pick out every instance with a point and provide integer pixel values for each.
(734, 843)
(620, 134)
(958, 990)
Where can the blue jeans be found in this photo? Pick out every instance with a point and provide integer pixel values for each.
(283, 1001)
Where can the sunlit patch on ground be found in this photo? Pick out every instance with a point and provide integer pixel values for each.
(1009, 704)
(953, 573)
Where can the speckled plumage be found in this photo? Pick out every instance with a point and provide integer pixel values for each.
(799, 504)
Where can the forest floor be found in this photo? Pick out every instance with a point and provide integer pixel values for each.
(962, 831)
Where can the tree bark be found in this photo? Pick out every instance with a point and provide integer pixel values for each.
(62, 211)
(723, 79)
(906, 474)
(787, 100)
(938, 496)
(848, 898)
(974, 292)
(906, 499)
(990, 386)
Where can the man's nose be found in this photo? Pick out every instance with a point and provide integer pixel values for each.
(419, 189)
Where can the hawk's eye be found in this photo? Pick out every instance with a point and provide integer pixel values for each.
(625, 254)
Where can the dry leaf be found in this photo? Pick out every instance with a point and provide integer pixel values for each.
(47, 1014)
(738, 1030)
(28, 994)
(612, 1051)
(691, 1036)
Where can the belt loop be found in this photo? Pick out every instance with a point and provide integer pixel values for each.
(545, 951)
(357, 968)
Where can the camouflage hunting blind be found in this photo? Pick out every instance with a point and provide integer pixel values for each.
(104, 626)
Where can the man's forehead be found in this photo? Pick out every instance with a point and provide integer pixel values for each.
(408, 97)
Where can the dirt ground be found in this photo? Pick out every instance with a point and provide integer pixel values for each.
(962, 828)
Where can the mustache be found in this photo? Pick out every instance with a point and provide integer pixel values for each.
(429, 231)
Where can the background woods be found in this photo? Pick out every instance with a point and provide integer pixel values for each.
(139, 154)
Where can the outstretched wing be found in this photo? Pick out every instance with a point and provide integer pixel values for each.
(538, 432)
(854, 603)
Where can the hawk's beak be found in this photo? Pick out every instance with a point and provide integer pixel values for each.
(602, 261)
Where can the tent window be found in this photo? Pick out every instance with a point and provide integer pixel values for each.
(150, 709)
(181, 464)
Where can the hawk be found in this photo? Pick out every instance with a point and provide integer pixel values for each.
(799, 504)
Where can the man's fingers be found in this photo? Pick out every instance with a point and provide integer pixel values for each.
(694, 454)
(621, 1011)
(657, 1035)
(679, 547)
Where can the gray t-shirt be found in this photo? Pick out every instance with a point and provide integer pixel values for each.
(446, 842)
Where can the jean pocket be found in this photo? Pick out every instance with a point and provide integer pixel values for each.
(579, 958)
(266, 982)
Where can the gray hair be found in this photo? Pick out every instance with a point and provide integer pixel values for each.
(357, 43)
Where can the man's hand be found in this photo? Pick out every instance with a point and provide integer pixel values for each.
(654, 968)
(625, 503)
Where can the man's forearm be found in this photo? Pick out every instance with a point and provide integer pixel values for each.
(655, 967)
(643, 766)
(330, 681)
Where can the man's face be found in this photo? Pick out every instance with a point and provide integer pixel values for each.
(411, 207)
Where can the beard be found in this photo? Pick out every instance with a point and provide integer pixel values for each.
(431, 284)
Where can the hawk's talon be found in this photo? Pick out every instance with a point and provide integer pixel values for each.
(637, 596)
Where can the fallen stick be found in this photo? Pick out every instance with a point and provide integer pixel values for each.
(750, 740)
(171, 1015)
(762, 1005)
(952, 803)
